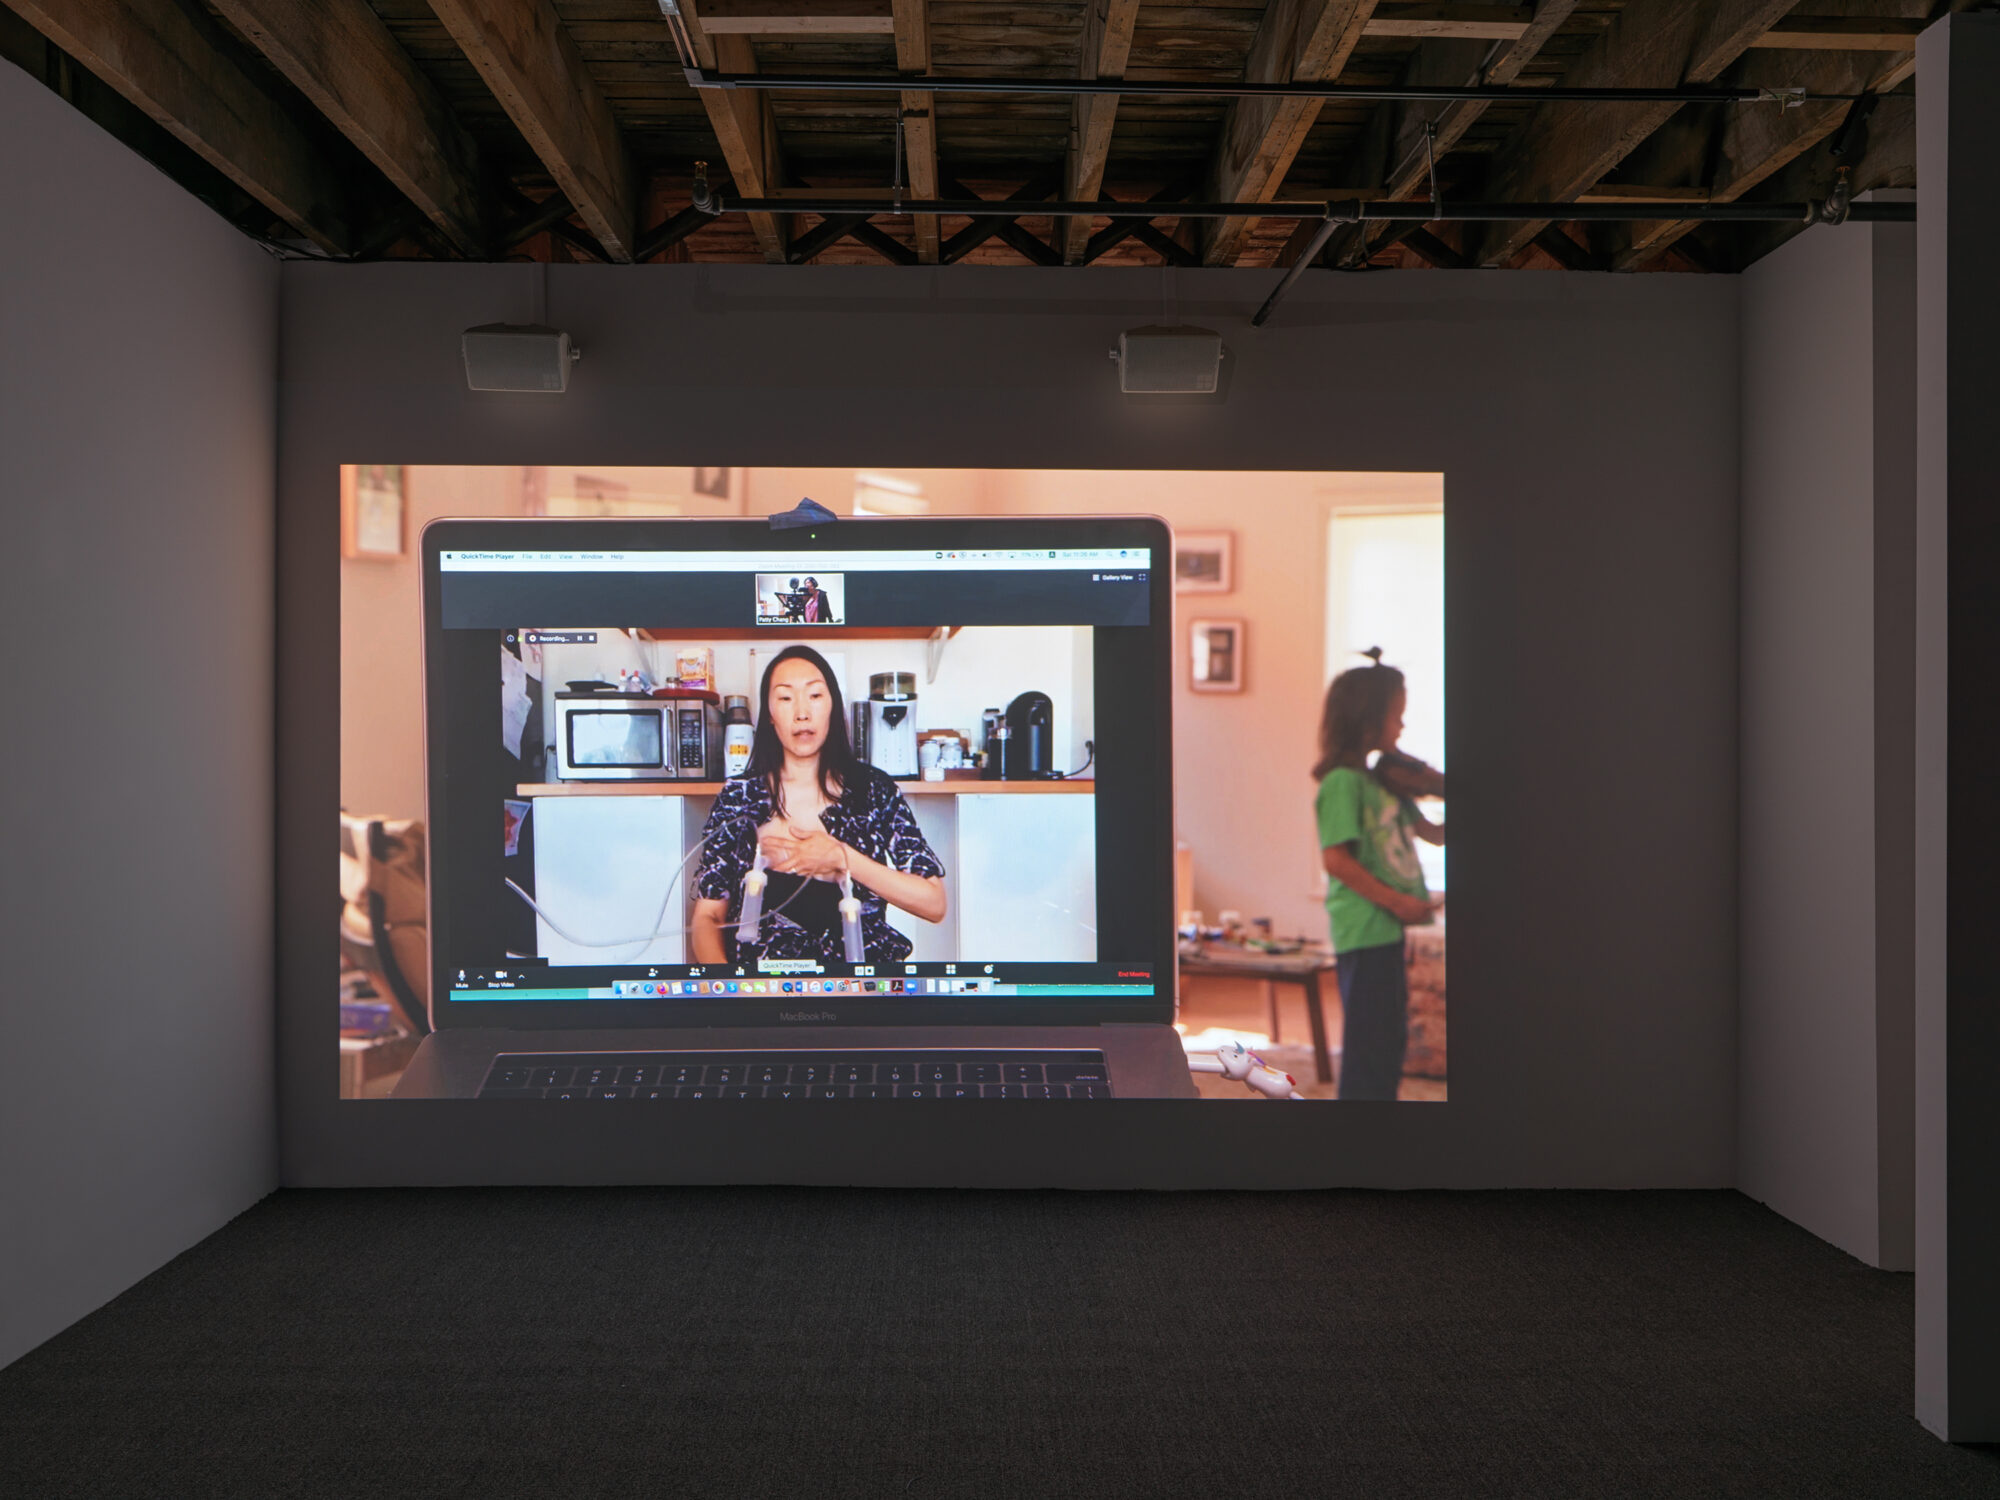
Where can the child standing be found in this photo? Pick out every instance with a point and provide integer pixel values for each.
(1377, 887)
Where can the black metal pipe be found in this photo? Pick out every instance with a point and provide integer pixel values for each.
(1421, 211)
(709, 78)
(1297, 269)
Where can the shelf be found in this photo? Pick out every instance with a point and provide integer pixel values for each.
(969, 788)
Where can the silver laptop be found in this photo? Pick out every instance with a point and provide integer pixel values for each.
(799, 813)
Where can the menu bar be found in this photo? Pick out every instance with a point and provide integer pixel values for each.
(901, 560)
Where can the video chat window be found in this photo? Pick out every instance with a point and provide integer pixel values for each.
(793, 600)
(669, 718)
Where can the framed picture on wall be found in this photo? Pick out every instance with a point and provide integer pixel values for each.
(1215, 656)
(1204, 562)
(373, 504)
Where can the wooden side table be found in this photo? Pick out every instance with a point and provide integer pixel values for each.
(357, 1053)
(1304, 969)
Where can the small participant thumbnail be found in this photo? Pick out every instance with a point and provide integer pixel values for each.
(792, 599)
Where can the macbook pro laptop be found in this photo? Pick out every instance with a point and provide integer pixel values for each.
(726, 810)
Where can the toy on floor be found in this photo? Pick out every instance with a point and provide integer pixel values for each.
(1237, 1061)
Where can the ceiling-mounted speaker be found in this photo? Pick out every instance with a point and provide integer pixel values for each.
(518, 357)
(1161, 361)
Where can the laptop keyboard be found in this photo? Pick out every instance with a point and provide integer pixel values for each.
(995, 1073)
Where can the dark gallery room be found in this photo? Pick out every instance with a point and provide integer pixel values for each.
(925, 563)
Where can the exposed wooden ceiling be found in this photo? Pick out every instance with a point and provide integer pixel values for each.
(568, 130)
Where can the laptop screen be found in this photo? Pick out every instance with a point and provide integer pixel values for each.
(713, 773)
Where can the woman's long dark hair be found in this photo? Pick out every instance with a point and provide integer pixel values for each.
(838, 763)
(1357, 704)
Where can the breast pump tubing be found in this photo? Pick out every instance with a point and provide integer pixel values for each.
(665, 901)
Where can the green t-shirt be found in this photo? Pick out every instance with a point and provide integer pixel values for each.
(1355, 808)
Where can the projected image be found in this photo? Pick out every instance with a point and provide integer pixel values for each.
(792, 599)
(962, 764)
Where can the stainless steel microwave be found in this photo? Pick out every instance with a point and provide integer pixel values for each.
(634, 737)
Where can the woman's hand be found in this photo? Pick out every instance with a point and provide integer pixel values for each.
(795, 850)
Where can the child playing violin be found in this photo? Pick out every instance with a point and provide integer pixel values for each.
(1368, 822)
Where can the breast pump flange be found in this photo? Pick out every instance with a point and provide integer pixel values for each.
(750, 920)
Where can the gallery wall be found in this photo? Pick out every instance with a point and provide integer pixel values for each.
(1586, 428)
(137, 418)
(1829, 599)
(1957, 811)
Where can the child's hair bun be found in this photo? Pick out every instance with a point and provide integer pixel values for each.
(1374, 655)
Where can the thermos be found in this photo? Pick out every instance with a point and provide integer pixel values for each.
(992, 743)
(737, 734)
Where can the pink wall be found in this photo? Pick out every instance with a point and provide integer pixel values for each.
(1243, 793)
(381, 665)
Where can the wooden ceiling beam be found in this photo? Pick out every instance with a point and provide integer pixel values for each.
(1107, 45)
(1843, 34)
(167, 63)
(1409, 159)
(1511, 22)
(1480, 22)
(1298, 41)
(1886, 159)
(523, 53)
(1440, 61)
(1567, 147)
(744, 127)
(798, 17)
(340, 55)
(919, 117)
(1738, 149)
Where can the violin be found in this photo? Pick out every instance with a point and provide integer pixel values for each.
(1406, 776)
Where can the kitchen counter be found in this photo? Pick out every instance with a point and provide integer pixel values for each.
(1020, 860)
(955, 788)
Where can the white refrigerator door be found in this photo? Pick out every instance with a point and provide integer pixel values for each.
(602, 868)
(1027, 877)
(935, 942)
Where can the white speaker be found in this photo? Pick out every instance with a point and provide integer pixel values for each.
(1160, 361)
(518, 357)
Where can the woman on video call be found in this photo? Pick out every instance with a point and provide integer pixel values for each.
(817, 812)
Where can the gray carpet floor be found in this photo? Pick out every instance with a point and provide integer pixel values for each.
(763, 1341)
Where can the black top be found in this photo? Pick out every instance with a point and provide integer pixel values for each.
(871, 817)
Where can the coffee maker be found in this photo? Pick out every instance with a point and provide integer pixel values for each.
(885, 723)
(1027, 751)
